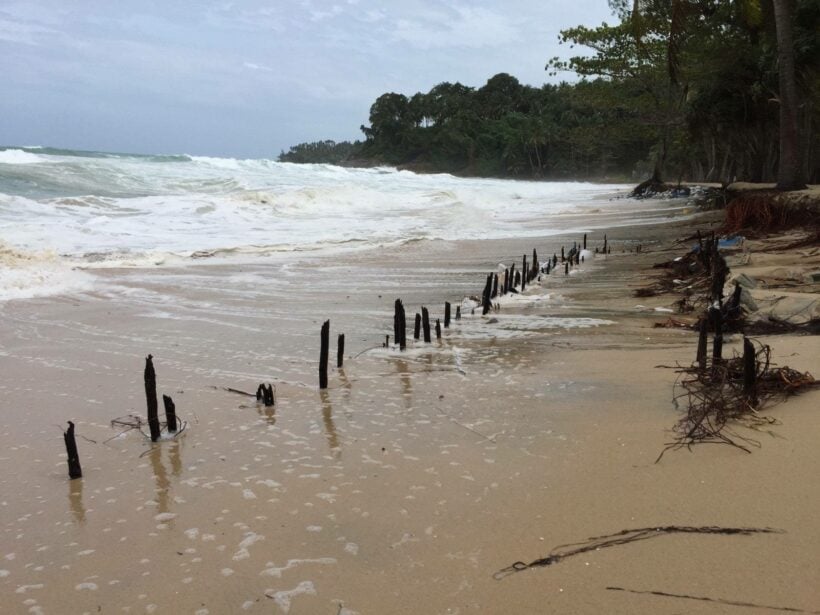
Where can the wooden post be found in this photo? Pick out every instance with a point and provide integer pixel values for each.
(340, 350)
(425, 324)
(749, 371)
(417, 327)
(703, 335)
(438, 329)
(534, 264)
(485, 297)
(562, 254)
(513, 279)
(399, 325)
(170, 413)
(323, 354)
(494, 293)
(524, 273)
(260, 392)
(566, 268)
(548, 266)
(458, 312)
(151, 397)
(74, 469)
(585, 241)
(387, 341)
(717, 342)
(605, 244)
(506, 281)
(267, 395)
(446, 314)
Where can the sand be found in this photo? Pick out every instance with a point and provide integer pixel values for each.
(415, 477)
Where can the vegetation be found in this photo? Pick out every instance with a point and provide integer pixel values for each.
(705, 90)
(320, 152)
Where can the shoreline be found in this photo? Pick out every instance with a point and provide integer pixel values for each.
(406, 484)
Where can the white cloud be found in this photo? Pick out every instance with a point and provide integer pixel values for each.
(462, 27)
(26, 33)
(254, 66)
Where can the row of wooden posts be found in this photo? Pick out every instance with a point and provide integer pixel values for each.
(493, 288)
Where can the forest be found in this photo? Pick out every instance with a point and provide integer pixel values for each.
(697, 90)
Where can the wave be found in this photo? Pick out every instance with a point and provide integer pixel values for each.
(19, 156)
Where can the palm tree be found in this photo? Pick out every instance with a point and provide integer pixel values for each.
(790, 170)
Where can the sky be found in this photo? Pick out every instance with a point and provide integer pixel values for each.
(251, 78)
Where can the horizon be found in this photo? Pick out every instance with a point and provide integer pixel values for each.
(250, 79)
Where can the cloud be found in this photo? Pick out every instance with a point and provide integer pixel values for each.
(254, 66)
(13, 31)
(463, 26)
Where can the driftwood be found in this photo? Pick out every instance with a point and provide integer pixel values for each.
(753, 605)
(596, 543)
(73, 456)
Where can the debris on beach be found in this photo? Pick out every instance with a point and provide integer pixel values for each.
(596, 543)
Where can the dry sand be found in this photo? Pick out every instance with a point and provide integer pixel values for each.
(415, 477)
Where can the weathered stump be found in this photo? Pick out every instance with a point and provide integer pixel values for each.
(425, 324)
(458, 312)
(74, 468)
(494, 293)
(340, 350)
(170, 413)
(417, 327)
(585, 241)
(438, 329)
(485, 297)
(399, 325)
(524, 273)
(446, 314)
(151, 398)
(749, 372)
(323, 354)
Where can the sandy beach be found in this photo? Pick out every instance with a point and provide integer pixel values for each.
(416, 476)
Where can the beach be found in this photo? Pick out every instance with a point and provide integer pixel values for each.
(417, 475)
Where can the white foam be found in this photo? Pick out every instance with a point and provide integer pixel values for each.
(18, 156)
(284, 598)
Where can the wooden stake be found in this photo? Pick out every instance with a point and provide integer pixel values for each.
(323, 354)
(749, 371)
(494, 292)
(340, 351)
(425, 324)
(399, 325)
(562, 254)
(717, 342)
(506, 281)
(585, 241)
(524, 273)
(438, 329)
(446, 314)
(566, 268)
(458, 312)
(170, 413)
(151, 398)
(702, 343)
(417, 327)
(485, 297)
(74, 469)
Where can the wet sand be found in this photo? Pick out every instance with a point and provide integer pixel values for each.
(415, 477)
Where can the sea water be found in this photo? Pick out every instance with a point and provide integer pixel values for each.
(65, 214)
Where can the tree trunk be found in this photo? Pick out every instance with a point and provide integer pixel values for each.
(789, 174)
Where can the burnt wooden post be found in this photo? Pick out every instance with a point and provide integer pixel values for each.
(267, 394)
(524, 273)
(494, 293)
(702, 343)
(717, 342)
(425, 324)
(506, 286)
(554, 260)
(340, 350)
(400, 325)
(74, 469)
(485, 297)
(719, 272)
(562, 254)
(323, 354)
(387, 341)
(458, 312)
(446, 314)
(585, 241)
(749, 371)
(534, 264)
(548, 266)
(566, 268)
(260, 392)
(417, 327)
(170, 413)
(605, 244)
(438, 329)
(513, 278)
(151, 397)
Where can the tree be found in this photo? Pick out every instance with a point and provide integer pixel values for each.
(790, 169)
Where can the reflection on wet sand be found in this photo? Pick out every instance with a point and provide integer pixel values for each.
(330, 426)
(269, 412)
(403, 369)
(75, 499)
(161, 476)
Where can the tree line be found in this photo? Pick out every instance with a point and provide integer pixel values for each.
(704, 90)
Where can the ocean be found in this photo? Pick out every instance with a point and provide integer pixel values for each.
(65, 214)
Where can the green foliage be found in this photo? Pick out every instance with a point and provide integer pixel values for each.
(328, 152)
(684, 89)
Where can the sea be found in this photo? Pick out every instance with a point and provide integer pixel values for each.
(65, 214)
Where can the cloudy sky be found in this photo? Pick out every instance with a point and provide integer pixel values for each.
(251, 77)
